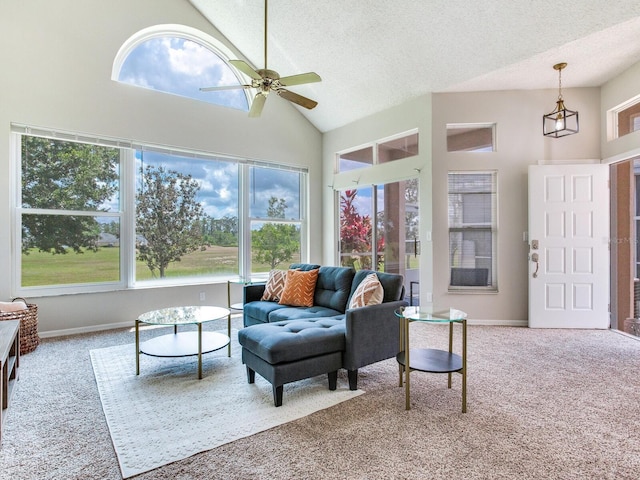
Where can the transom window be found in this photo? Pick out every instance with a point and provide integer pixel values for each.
(471, 137)
(625, 118)
(179, 60)
(395, 148)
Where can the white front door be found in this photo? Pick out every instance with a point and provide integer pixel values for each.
(569, 246)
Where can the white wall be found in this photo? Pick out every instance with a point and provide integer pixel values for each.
(56, 62)
(519, 143)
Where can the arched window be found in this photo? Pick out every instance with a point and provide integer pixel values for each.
(179, 60)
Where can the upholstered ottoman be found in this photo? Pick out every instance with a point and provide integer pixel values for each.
(287, 351)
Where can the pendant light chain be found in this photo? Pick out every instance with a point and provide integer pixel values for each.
(560, 84)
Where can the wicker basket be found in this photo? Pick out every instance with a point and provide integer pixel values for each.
(29, 338)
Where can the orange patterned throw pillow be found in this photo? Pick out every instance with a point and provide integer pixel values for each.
(299, 288)
(275, 286)
(369, 292)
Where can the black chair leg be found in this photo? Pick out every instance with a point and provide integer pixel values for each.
(333, 380)
(251, 375)
(277, 395)
(353, 379)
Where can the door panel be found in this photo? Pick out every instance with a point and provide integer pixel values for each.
(569, 249)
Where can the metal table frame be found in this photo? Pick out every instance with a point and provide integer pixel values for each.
(428, 359)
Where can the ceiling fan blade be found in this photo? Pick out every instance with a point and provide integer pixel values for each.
(298, 99)
(245, 68)
(257, 105)
(309, 77)
(223, 87)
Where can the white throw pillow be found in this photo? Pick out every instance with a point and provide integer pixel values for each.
(369, 292)
(275, 286)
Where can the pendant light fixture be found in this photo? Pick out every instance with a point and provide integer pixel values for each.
(562, 121)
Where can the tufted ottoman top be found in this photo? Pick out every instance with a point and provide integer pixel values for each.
(289, 341)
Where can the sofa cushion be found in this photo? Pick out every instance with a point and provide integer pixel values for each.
(369, 292)
(393, 284)
(260, 310)
(299, 288)
(294, 340)
(299, 313)
(333, 287)
(275, 286)
(305, 267)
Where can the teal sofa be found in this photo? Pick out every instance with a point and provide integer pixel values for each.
(285, 344)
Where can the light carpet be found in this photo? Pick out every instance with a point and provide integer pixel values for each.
(166, 414)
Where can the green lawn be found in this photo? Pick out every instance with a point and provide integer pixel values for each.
(40, 268)
(103, 266)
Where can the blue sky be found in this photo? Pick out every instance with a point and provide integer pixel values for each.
(179, 66)
(218, 182)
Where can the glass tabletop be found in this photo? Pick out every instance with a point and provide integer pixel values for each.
(427, 313)
(248, 281)
(183, 315)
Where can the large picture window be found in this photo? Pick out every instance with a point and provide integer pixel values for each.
(97, 217)
(70, 212)
(472, 230)
(275, 218)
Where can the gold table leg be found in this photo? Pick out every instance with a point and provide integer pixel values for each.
(450, 350)
(401, 349)
(229, 317)
(137, 347)
(464, 366)
(407, 366)
(199, 351)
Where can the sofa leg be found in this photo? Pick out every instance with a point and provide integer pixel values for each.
(333, 380)
(251, 375)
(353, 379)
(277, 395)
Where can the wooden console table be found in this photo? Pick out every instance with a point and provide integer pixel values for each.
(9, 363)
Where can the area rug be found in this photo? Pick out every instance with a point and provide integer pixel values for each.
(166, 414)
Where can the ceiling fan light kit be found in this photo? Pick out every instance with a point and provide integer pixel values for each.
(562, 121)
(265, 81)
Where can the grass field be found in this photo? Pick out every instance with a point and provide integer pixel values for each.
(104, 266)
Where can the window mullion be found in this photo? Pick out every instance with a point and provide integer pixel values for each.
(128, 218)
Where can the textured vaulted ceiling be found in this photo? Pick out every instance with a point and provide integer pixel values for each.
(375, 54)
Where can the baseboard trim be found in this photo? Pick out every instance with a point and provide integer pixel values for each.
(499, 323)
(88, 329)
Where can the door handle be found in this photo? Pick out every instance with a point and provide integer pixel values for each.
(535, 258)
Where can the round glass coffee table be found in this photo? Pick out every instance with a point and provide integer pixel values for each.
(182, 344)
(430, 359)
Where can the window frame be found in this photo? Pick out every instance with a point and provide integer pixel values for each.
(492, 286)
(613, 118)
(127, 216)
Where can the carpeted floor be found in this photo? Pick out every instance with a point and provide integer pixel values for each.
(542, 404)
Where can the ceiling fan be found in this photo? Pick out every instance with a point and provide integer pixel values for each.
(265, 81)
